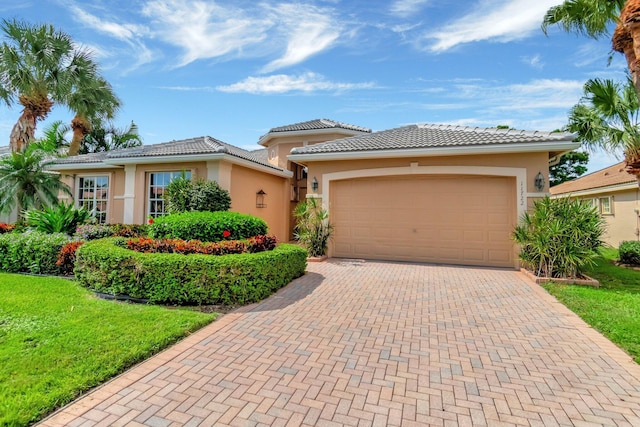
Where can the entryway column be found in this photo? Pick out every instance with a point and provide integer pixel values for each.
(129, 193)
(220, 172)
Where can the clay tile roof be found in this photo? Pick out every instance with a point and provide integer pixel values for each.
(432, 136)
(316, 125)
(613, 175)
(190, 146)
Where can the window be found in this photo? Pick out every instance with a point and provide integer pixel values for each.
(605, 205)
(158, 181)
(93, 194)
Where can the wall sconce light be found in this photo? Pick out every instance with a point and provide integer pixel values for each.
(260, 199)
(539, 182)
(314, 184)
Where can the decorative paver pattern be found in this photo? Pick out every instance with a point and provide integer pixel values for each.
(374, 344)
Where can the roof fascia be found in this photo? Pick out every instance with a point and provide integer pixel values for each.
(599, 190)
(347, 132)
(431, 152)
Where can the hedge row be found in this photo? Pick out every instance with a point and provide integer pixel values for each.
(207, 226)
(107, 266)
(629, 252)
(32, 252)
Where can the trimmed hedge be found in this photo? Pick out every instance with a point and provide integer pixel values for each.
(106, 266)
(207, 226)
(31, 252)
(629, 252)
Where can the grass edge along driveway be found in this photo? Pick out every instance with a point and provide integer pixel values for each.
(58, 340)
(614, 308)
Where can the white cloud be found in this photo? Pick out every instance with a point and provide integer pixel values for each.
(205, 29)
(308, 29)
(534, 61)
(405, 8)
(130, 34)
(504, 20)
(282, 83)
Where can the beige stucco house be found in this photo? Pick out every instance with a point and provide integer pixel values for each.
(616, 196)
(431, 193)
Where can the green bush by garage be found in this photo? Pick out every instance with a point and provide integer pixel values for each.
(106, 266)
(207, 226)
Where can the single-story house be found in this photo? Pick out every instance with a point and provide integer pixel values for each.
(430, 193)
(616, 196)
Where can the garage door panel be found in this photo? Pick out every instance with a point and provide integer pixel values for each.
(446, 219)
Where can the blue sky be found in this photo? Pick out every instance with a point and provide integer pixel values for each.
(233, 69)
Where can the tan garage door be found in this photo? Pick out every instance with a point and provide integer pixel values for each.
(445, 219)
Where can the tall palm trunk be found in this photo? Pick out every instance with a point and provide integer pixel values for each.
(81, 127)
(36, 107)
(626, 39)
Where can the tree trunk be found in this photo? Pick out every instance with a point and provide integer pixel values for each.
(23, 131)
(81, 127)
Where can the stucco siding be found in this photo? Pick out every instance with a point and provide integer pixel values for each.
(245, 183)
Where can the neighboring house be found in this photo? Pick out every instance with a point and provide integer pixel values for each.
(13, 216)
(614, 193)
(431, 193)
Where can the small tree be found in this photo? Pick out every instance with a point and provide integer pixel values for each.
(560, 237)
(571, 166)
(313, 228)
(183, 195)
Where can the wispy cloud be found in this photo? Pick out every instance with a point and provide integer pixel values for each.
(282, 83)
(534, 61)
(308, 29)
(205, 29)
(130, 34)
(504, 21)
(406, 8)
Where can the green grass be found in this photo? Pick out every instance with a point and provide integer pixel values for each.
(58, 340)
(614, 308)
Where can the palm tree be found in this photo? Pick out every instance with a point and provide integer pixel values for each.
(110, 138)
(54, 139)
(26, 184)
(39, 67)
(593, 18)
(92, 100)
(608, 117)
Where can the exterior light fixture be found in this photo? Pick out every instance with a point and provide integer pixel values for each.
(539, 182)
(260, 199)
(314, 184)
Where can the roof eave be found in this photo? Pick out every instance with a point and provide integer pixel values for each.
(440, 151)
(325, 131)
(72, 166)
(597, 190)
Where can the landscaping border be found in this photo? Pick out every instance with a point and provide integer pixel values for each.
(107, 267)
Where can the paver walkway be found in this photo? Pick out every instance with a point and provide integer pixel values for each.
(372, 343)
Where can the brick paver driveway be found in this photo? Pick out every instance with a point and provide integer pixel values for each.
(371, 343)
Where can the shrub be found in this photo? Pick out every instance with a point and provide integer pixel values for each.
(560, 237)
(185, 195)
(67, 257)
(629, 252)
(104, 266)
(313, 228)
(31, 252)
(207, 226)
(171, 246)
(61, 218)
(100, 231)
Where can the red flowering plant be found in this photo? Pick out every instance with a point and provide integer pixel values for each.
(226, 234)
(150, 220)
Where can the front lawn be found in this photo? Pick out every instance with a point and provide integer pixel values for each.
(614, 308)
(57, 340)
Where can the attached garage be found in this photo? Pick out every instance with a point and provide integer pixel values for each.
(426, 218)
(431, 193)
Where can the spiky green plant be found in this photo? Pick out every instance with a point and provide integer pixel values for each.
(313, 228)
(560, 237)
(62, 218)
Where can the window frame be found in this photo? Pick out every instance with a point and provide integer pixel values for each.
(79, 201)
(173, 174)
(601, 204)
